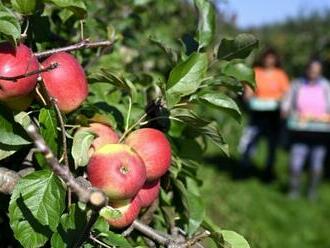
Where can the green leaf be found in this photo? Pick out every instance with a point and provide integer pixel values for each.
(234, 239)
(65, 15)
(101, 225)
(78, 7)
(238, 48)
(35, 208)
(194, 206)
(114, 239)
(229, 82)
(189, 117)
(82, 141)
(23, 119)
(6, 150)
(9, 24)
(206, 22)
(185, 78)
(211, 132)
(70, 228)
(11, 132)
(171, 52)
(239, 71)
(200, 126)
(119, 82)
(110, 213)
(220, 101)
(48, 130)
(25, 7)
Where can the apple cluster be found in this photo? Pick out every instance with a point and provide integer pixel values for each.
(66, 83)
(128, 172)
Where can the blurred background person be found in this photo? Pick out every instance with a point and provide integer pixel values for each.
(307, 107)
(264, 109)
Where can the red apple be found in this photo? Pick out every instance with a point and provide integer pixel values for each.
(117, 170)
(149, 193)
(67, 83)
(154, 149)
(129, 210)
(104, 135)
(14, 62)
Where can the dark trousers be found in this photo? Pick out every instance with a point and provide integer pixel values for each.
(262, 124)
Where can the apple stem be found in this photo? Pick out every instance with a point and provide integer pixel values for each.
(132, 127)
(30, 73)
(80, 45)
(128, 113)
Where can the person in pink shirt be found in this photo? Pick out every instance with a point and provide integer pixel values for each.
(307, 108)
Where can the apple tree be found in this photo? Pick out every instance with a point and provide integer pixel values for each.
(102, 121)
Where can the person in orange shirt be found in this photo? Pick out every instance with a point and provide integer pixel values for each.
(272, 84)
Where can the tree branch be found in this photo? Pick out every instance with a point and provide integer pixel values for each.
(147, 217)
(30, 73)
(82, 44)
(8, 180)
(151, 233)
(92, 196)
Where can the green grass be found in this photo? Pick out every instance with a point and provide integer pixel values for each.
(262, 213)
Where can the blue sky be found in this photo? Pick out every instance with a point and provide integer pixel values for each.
(257, 12)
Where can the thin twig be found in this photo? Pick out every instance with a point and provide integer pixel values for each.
(132, 127)
(147, 217)
(24, 34)
(128, 231)
(30, 73)
(99, 242)
(53, 102)
(81, 29)
(62, 127)
(82, 44)
(150, 233)
(196, 238)
(128, 113)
